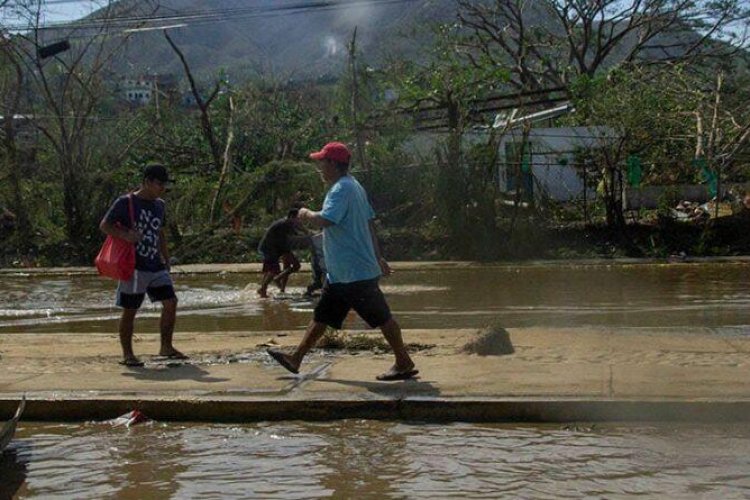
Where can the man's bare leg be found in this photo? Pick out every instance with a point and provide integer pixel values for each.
(127, 321)
(263, 290)
(282, 278)
(392, 333)
(313, 333)
(166, 328)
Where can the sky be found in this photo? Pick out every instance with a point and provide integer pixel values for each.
(70, 11)
(60, 10)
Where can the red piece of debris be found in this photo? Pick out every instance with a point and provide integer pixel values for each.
(131, 418)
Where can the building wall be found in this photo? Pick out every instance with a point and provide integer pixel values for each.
(552, 159)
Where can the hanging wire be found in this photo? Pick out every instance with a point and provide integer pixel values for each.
(200, 17)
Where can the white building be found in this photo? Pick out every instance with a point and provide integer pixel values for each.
(142, 89)
(138, 90)
(550, 164)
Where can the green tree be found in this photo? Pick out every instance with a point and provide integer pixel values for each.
(551, 43)
(448, 82)
(632, 113)
(63, 94)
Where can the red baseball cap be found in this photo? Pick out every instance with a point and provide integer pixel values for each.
(335, 151)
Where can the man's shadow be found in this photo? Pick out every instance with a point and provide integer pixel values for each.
(170, 373)
(410, 387)
(13, 471)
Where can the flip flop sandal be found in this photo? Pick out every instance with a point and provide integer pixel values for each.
(132, 363)
(175, 356)
(280, 358)
(394, 375)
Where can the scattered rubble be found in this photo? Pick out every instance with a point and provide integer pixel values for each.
(491, 341)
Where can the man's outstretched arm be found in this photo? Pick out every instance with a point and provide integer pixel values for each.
(313, 217)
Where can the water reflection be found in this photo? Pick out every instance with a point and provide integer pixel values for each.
(697, 295)
(370, 459)
(279, 315)
(141, 468)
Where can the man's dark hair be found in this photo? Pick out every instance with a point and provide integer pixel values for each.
(156, 171)
(294, 212)
(341, 167)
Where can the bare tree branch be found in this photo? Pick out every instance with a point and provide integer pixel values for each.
(203, 105)
(549, 42)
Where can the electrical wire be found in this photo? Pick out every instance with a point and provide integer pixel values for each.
(206, 16)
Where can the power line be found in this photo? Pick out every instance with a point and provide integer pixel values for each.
(207, 16)
(533, 135)
(50, 2)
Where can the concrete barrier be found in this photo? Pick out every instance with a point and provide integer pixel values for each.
(424, 410)
(650, 196)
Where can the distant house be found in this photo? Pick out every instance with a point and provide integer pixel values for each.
(23, 125)
(548, 164)
(142, 89)
(26, 134)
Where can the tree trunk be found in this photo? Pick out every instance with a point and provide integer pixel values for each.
(611, 199)
(71, 206)
(11, 152)
(227, 160)
(450, 192)
(361, 156)
(11, 156)
(203, 105)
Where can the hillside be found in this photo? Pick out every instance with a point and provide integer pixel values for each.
(298, 43)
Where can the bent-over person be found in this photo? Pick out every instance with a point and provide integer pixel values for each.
(276, 245)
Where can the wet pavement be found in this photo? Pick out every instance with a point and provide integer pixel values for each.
(552, 375)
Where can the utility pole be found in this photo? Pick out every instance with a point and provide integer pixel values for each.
(713, 138)
(361, 158)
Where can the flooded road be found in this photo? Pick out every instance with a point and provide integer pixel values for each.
(715, 296)
(370, 459)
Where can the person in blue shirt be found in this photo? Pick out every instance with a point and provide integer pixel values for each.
(145, 229)
(354, 265)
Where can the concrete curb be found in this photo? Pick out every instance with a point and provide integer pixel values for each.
(254, 267)
(424, 410)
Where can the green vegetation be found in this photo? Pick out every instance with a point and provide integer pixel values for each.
(421, 134)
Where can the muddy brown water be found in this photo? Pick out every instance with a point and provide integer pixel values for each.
(372, 459)
(714, 296)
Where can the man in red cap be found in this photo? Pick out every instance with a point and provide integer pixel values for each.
(354, 265)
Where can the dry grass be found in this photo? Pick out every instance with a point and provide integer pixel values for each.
(340, 339)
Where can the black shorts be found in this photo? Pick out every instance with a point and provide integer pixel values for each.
(158, 285)
(364, 297)
(135, 300)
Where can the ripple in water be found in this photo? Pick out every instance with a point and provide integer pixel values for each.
(355, 458)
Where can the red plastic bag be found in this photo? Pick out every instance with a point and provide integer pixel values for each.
(116, 258)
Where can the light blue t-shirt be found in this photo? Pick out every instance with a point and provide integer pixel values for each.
(347, 244)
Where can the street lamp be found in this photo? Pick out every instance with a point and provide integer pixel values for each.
(53, 49)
